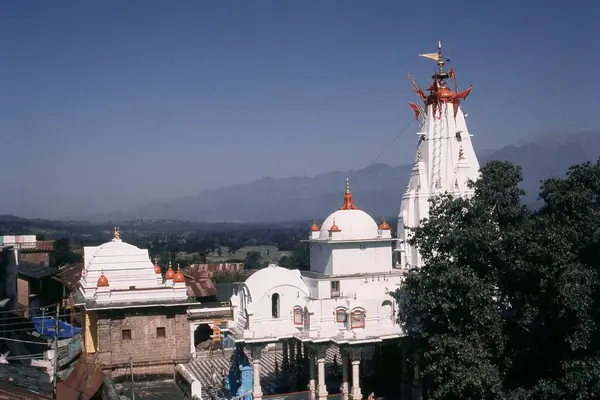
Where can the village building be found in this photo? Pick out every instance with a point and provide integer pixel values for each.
(135, 319)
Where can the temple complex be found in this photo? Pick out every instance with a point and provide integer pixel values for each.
(445, 160)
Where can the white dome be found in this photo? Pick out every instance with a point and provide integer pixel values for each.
(260, 282)
(354, 225)
(123, 264)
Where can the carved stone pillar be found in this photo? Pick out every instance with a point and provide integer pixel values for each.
(355, 357)
(322, 390)
(344, 388)
(285, 361)
(416, 380)
(256, 388)
(292, 359)
(312, 373)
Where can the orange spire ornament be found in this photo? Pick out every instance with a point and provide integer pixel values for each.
(348, 204)
(314, 227)
(157, 269)
(170, 273)
(334, 227)
(102, 281)
(384, 225)
(178, 278)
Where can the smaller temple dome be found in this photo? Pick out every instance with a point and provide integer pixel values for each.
(334, 227)
(178, 278)
(170, 273)
(314, 227)
(102, 281)
(384, 226)
(157, 267)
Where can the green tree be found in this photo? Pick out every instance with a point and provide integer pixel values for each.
(506, 303)
(252, 260)
(62, 254)
(298, 259)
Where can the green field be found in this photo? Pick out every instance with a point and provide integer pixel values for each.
(267, 253)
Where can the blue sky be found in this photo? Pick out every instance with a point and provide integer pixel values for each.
(110, 104)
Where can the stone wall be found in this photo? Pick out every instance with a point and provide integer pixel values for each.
(35, 257)
(23, 292)
(149, 353)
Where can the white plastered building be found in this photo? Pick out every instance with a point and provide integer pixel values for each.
(346, 298)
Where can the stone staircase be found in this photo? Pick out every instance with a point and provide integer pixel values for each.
(212, 371)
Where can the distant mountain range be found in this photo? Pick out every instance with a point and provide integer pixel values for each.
(377, 189)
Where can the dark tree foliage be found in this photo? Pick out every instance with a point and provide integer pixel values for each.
(298, 259)
(507, 304)
(62, 254)
(252, 260)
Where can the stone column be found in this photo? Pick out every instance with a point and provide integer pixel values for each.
(344, 387)
(256, 388)
(292, 359)
(356, 393)
(285, 362)
(312, 373)
(404, 377)
(416, 380)
(322, 390)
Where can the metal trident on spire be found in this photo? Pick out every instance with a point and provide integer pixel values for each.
(438, 58)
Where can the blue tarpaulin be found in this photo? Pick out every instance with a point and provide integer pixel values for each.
(46, 326)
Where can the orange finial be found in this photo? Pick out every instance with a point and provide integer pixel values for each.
(334, 227)
(384, 225)
(156, 266)
(314, 227)
(179, 278)
(170, 273)
(348, 205)
(102, 281)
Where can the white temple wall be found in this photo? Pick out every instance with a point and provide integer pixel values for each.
(370, 257)
(320, 257)
(289, 297)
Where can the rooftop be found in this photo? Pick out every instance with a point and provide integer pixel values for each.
(35, 271)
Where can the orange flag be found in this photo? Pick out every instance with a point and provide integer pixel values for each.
(451, 73)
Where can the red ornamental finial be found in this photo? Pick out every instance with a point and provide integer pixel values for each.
(334, 227)
(348, 204)
(314, 227)
(102, 281)
(170, 273)
(178, 278)
(384, 225)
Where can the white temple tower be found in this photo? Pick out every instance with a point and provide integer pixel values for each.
(445, 160)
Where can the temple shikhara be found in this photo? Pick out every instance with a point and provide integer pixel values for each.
(329, 329)
(445, 161)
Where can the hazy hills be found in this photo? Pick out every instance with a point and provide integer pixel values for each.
(377, 189)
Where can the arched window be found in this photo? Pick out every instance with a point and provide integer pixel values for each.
(386, 311)
(275, 305)
(340, 315)
(357, 319)
(298, 316)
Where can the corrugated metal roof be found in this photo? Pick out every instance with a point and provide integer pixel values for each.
(200, 287)
(83, 383)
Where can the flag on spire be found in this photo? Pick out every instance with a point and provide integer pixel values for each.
(451, 73)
